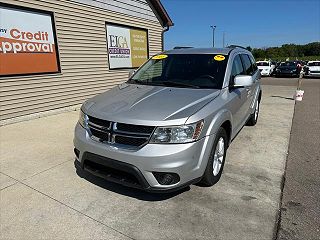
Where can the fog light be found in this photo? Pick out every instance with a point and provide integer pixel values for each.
(164, 178)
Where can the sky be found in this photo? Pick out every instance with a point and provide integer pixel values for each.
(255, 23)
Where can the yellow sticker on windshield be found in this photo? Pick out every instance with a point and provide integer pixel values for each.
(158, 57)
(219, 57)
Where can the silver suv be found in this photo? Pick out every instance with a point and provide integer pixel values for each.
(171, 123)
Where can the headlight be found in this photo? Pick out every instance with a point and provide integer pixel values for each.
(83, 119)
(177, 134)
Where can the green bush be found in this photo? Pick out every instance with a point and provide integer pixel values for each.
(283, 59)
(310, 51)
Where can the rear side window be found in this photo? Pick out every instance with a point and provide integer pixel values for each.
(254, 64)
(248, 68)
(237, 69)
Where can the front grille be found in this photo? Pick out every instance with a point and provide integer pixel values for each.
(119, 133)
(112, 173)
(99, 122)
(134, 128)
(130, 140)
(101, 135)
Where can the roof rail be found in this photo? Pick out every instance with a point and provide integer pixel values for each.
(236, 46)
(181, 47)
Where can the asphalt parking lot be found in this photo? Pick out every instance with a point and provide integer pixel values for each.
(42, 195)
(300, 205)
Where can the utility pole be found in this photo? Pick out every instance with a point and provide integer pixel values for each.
(213, 28)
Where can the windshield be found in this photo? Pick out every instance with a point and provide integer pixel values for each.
(288, 64)
(312, 64)
(262, 64)
(183, 70)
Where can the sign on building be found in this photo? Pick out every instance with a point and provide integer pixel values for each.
(27, 42)
(127, 47)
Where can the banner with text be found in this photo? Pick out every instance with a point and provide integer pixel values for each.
(127, 47)
(27, 43)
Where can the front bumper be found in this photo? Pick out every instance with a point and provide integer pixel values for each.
(263, 73)
(312, 74)
(187, 160)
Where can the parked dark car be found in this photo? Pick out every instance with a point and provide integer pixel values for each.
(289, 68)
(276, 64)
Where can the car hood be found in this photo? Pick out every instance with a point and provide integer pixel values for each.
(264, 67)
(314, 68)
(150, 105)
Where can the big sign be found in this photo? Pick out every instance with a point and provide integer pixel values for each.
(127, 47)
(27, 42)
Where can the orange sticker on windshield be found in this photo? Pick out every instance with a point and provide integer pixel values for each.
(158, 57)
(219, 57)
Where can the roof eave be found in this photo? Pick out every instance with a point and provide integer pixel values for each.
(161, 12)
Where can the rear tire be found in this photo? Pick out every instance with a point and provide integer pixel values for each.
(216, 160)
(255, 115)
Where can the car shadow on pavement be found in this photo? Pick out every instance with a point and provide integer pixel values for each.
(127, 191)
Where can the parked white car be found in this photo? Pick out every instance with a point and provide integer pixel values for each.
(266, 68)
(312, 69)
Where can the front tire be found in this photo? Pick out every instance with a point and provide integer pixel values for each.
(216, 160)
(253, 119)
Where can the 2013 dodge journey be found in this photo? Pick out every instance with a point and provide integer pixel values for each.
(171, 123)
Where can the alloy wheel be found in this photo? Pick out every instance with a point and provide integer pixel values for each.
(218, 156)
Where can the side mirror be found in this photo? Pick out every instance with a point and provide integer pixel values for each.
(243, 81)
(131, 72)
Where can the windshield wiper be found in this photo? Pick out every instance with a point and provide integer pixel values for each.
(165, 83)
(133, 81)
(178, 84)
(138, 81)
(205, 76)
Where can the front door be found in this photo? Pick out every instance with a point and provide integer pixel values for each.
(238, 96)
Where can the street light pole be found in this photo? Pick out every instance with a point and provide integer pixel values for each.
(213, 28)
(223, 39)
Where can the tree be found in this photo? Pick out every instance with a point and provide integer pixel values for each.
(287, 50)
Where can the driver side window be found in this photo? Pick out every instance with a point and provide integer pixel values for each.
(237, 69)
